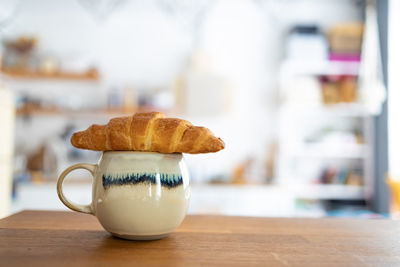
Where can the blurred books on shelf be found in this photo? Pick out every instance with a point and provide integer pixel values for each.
(344, 176)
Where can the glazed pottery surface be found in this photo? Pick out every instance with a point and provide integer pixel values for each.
(136, 195)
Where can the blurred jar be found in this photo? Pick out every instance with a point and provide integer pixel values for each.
(394, 188)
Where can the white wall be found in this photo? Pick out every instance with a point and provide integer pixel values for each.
(141, 44)
(137, 44)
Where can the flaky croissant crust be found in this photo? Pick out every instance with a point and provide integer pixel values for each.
(150, 131)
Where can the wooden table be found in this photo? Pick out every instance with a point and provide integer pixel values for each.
(46, 238)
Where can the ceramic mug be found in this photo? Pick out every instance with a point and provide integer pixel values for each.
(136, 195)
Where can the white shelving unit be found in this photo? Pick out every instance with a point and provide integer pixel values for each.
(324, 67)
(299, 119)
(329, 191)
(339, 110)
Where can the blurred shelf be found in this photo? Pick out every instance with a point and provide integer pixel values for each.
(352, 151)
(329, 192)
(46, 112)
(53, 181)
(325, 67)
(340, 109)
(70, 113)
(34, 75)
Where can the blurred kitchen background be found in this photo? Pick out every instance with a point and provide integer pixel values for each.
(296, 89)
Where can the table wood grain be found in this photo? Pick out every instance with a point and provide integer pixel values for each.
(49, 238)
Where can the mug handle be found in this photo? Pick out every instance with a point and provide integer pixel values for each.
(76, 207)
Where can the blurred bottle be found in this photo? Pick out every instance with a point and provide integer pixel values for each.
(129, 100)
(306, 43)
(200, 91)
(114, 98)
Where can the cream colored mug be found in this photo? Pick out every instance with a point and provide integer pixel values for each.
(136, 195)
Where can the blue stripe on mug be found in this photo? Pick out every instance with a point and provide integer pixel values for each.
(168, 180)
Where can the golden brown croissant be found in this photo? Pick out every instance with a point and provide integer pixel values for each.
(150, 131)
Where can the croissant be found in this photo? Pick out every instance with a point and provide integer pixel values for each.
(150, 131)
